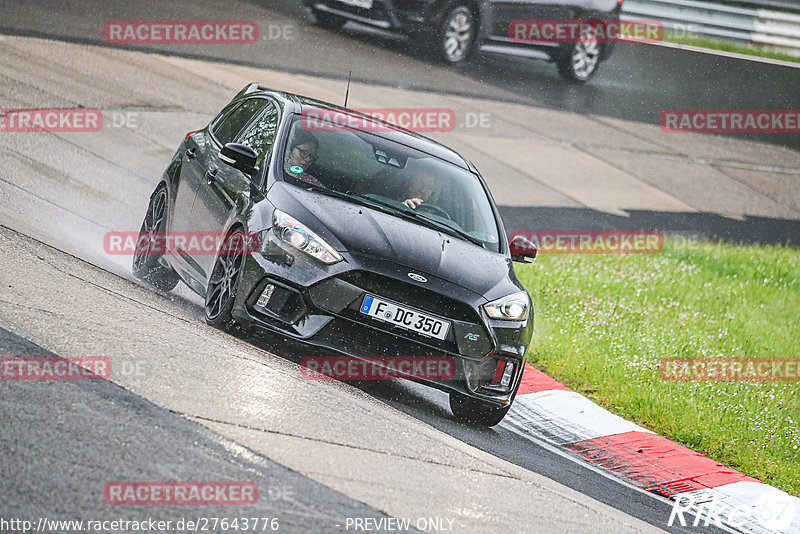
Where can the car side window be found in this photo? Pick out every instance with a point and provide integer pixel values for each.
(227, 130)
(261, 134)
(221, 115)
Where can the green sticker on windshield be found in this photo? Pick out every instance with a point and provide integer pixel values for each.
(297, 169)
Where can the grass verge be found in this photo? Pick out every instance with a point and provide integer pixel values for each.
(603, 323)
(727, 46)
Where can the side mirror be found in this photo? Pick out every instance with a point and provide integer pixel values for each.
(522, 250)
(240, 157)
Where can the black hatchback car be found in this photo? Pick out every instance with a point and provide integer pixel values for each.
(455, 28)
(368, 240)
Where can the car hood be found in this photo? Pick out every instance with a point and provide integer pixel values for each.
(360, 230)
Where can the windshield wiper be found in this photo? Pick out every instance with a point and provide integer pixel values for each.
(330, 192)
(430, 223)
(358, 199)
(385, 207)
(392, 207)
(441, 224)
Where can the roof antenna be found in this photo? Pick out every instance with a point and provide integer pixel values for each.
(347, 93)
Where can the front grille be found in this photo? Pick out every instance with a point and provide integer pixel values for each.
(361, 340)
(412, 296)
(447, 344)
(409, 294)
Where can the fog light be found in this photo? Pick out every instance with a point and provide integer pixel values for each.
(498, 372)
(265, 296)
(503, 374)
(507, 375)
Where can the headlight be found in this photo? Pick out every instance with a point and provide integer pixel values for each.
(511, 308)
(295, 233)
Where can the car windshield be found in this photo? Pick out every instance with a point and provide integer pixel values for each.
(366, 168)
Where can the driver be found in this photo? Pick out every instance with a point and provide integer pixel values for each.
(423, 189)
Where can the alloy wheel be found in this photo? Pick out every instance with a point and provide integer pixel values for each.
(585, 55)
(458, 34)
(222, 284)
(153, 223)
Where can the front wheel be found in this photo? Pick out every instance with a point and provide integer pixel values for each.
(221, 290)
(579, 61)
(475, 412)
(457, 35)
(147, 265)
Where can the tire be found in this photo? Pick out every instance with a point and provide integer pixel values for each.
(328, 21)
(146, 265)
(578, 62)
(456, 36)
(222, 284)
(475, 412)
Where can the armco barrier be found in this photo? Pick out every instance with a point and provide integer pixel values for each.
(747, 23)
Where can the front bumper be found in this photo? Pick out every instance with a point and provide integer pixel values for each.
(319, 305)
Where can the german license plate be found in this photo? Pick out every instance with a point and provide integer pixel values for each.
(403, 317)
(366, 4)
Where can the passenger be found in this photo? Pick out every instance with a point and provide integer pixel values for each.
(302, 155)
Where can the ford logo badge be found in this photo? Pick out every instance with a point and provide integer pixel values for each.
(417, 277)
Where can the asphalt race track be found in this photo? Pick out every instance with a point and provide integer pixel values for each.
(637, 84)
(175, 376)
(187, 402)
(720, 181)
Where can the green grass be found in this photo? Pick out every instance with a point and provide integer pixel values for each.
(603, 322)
(727, 46)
